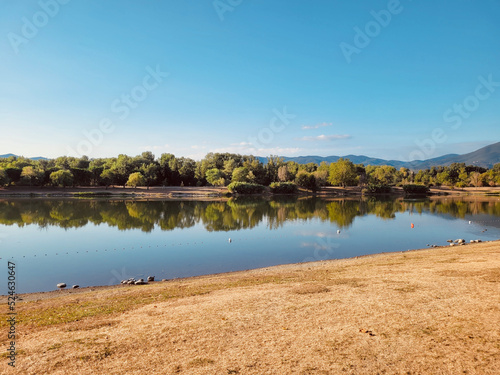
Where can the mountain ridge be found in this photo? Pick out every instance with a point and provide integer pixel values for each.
(485, 157)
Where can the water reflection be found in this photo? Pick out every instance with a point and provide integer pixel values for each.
(233, 214)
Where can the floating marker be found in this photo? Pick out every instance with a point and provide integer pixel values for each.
(412, 225)
(229, 240)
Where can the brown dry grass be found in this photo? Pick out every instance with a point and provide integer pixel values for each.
(422, 312)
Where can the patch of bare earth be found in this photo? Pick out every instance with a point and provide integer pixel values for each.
(422, 312)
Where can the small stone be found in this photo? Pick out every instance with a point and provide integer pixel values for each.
(164, 279)
(75, 286)
(61, 285)
(472, 241)
(151, 278)
(449, 240)
(452, 244)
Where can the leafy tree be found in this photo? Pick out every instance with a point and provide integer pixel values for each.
(343, 173)
(150, 173)
(229, 167)
(214, 177)
(136, 179)
(81, 177)
(306, 180)
(107, 177)
(4, 179)
(475, 179)
(14, 174)
(62, 178)
(240, 175)
(31, 175)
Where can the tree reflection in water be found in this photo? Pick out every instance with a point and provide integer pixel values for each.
(233, 214)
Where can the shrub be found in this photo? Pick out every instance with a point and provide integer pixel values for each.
(377, 189)
(306, 180)
(245, 188)
(283, 188)
(413, 189)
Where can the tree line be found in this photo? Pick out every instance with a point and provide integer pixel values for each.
(221, 169)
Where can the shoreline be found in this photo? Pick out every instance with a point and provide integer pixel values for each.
(417, 311)
(208, 192)
(37, 296)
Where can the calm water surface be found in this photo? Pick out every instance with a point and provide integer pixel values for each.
(100, 242)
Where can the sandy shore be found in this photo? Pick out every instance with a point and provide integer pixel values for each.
(173, 192)
(415, 312)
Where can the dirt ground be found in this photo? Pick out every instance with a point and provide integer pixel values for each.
(433, 311)
(173, 192)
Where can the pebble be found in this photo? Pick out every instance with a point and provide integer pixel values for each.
(151, 278)
(75, 286)
(61, 285)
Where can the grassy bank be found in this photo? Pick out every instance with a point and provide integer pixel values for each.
(419, 312)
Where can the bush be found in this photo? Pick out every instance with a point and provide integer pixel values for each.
(377, 189)
(245, 188)
(306, 180)
(413, 189)
(283, 188)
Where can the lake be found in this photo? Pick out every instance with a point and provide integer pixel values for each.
(103, 241)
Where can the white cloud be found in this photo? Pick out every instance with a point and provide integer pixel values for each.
(330, 137)
(317, 126)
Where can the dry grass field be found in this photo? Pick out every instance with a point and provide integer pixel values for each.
(434, 311)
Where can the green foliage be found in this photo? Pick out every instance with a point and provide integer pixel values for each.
(306, 180)
(283, 188)
(240, 175)
(342, 173)
(414, 189)
(4, 179)
(62, 178)
(136, 179)
(214, 177)
(245, 188)
(377, 189)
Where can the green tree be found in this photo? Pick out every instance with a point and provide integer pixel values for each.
(342, 173)
(107, 177)
(306, 180)
(62, 178)
(136, 179)
(214, 177)
(475, 179)
(240, 175)
(4, 179)
(150, 173)
(32, 175)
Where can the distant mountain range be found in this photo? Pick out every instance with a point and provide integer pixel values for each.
(34, 158)
(484, 157)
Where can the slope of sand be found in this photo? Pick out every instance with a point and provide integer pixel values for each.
(434, 311)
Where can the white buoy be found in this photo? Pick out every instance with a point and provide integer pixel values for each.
(229, 240)
(338, 231)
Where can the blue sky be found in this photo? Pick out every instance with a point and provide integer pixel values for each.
(391, 79)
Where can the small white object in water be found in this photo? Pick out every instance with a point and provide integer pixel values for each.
(229, 240)
(470, 222)
(338, 231)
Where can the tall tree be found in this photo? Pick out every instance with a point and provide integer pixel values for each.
(342, 173)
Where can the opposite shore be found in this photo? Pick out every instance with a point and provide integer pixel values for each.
(172, 192)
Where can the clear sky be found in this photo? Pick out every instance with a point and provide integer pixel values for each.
(390, 79)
